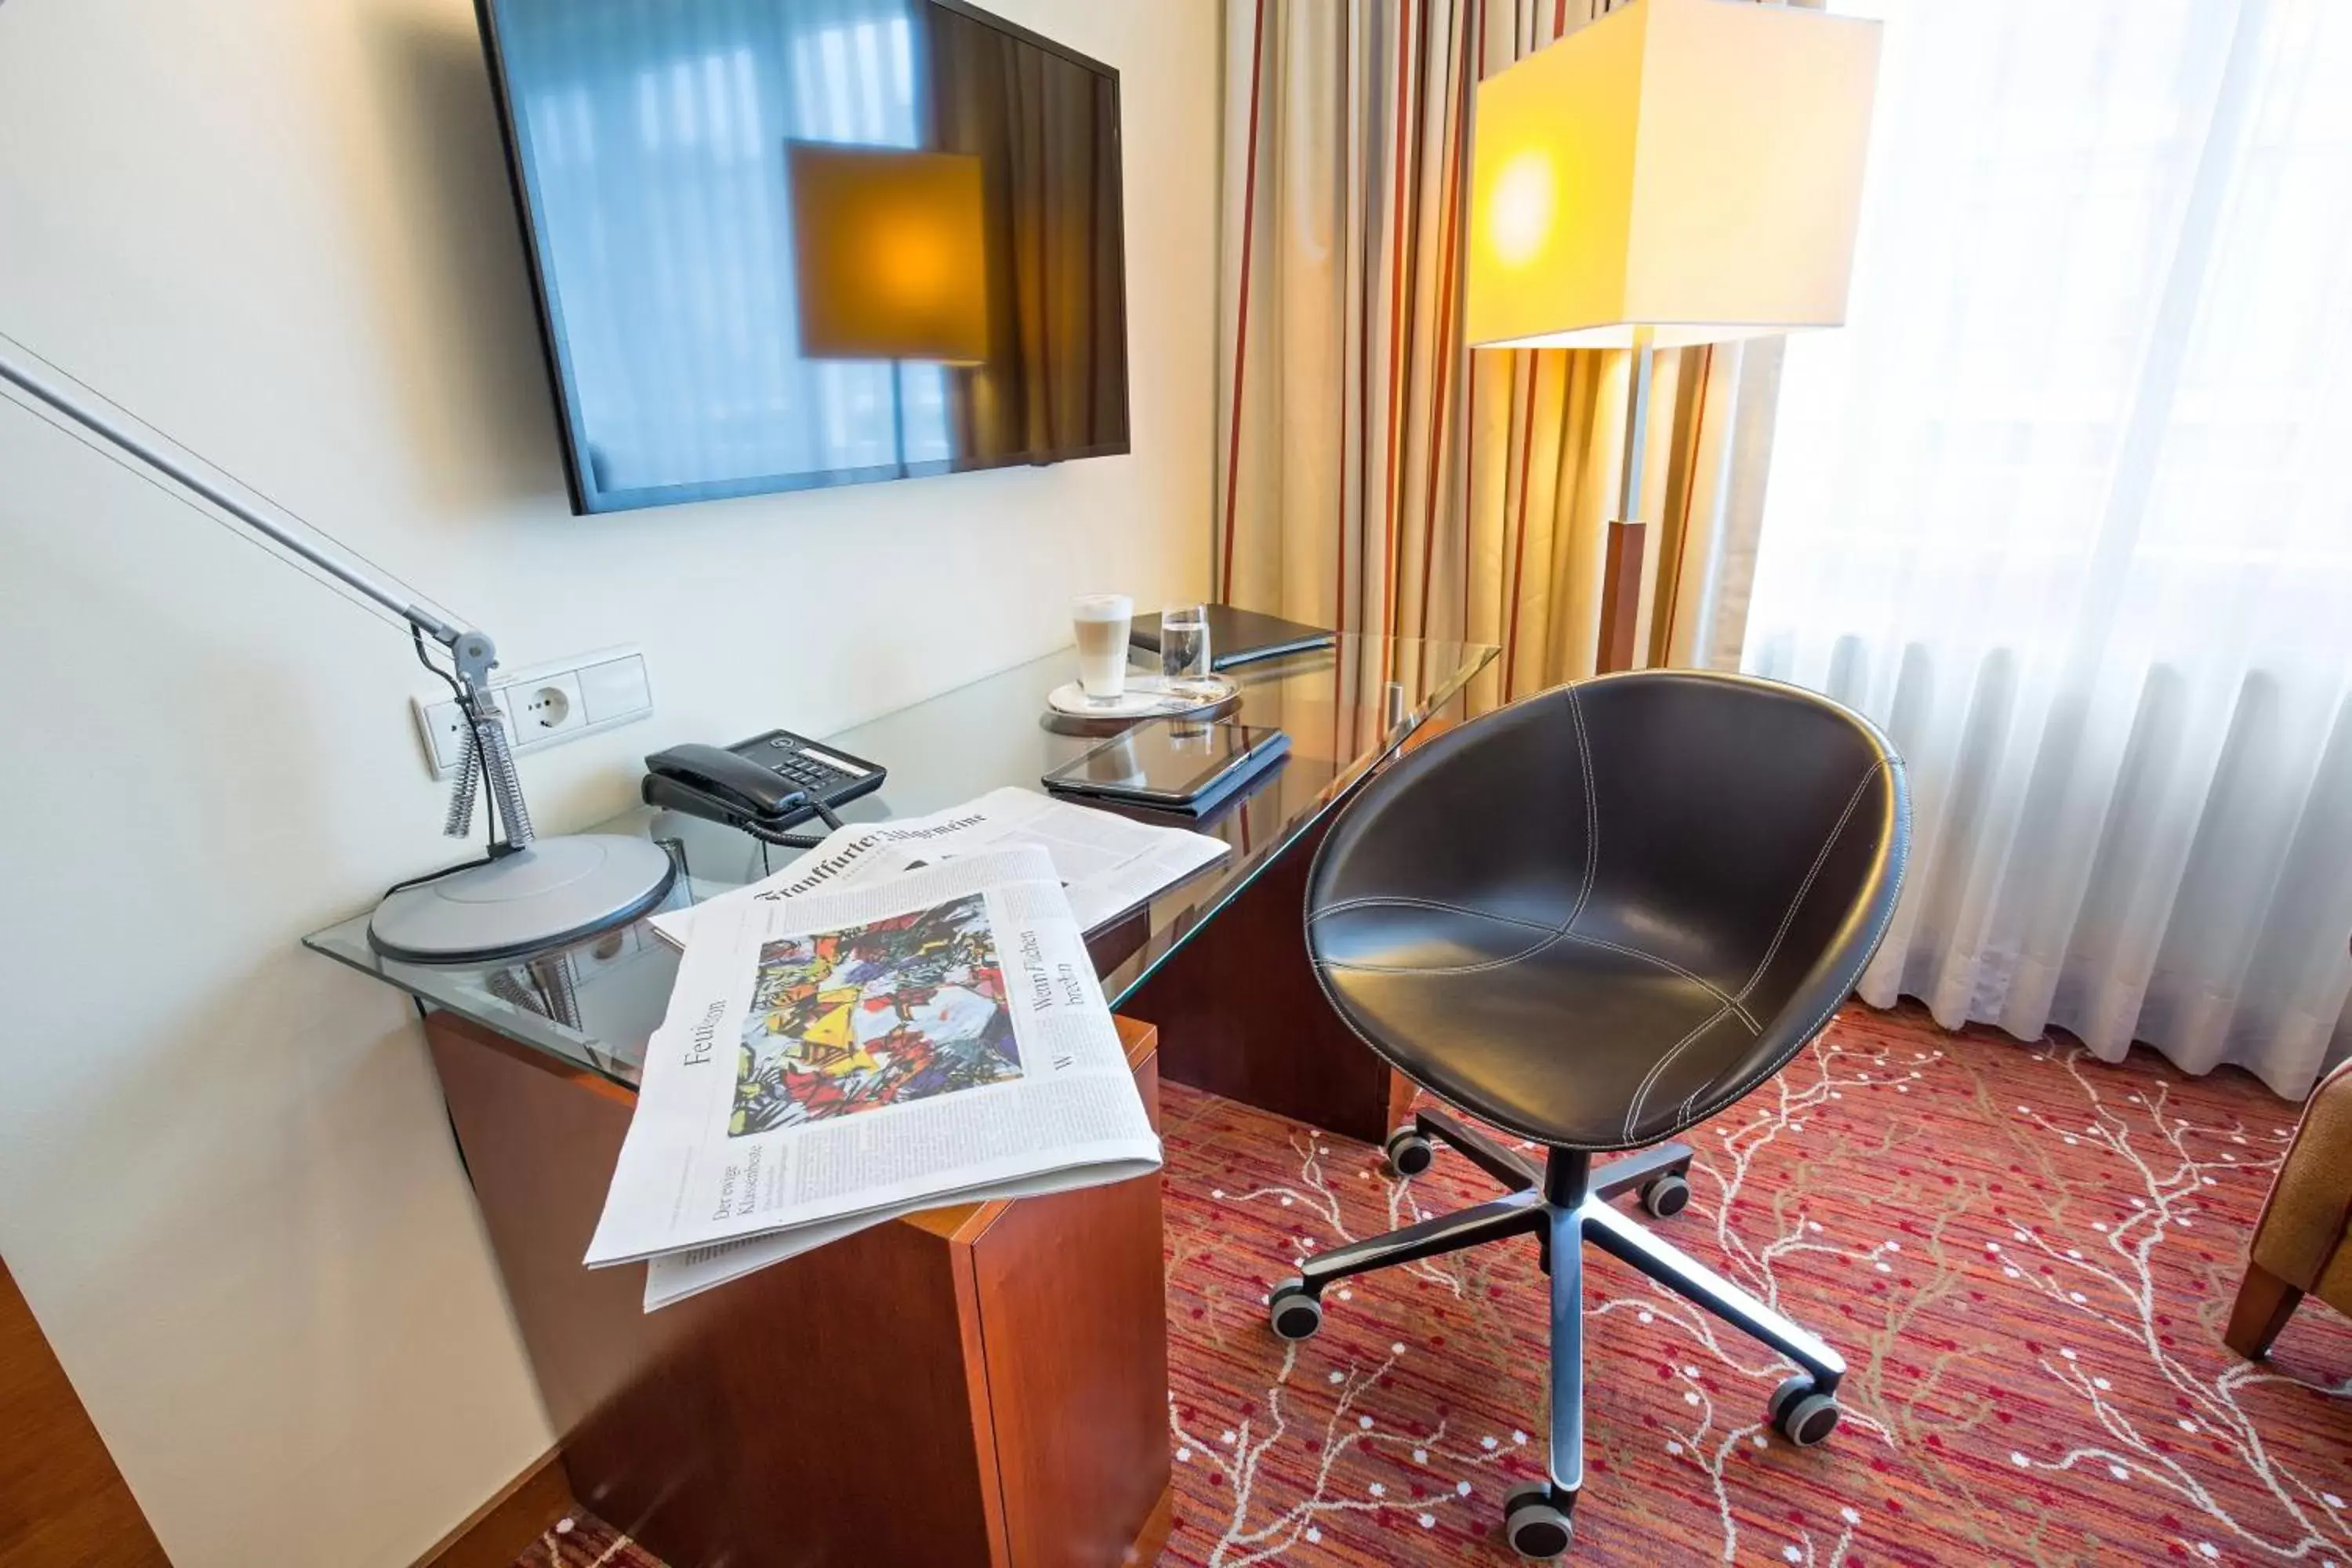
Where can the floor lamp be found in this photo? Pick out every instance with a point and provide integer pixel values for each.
(1678, 172)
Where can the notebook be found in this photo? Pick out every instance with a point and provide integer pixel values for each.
(1240, 637)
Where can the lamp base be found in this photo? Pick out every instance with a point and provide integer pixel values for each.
(553, 891)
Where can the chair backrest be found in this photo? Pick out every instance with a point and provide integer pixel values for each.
(1751, 833)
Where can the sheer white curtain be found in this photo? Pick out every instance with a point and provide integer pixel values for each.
(2067, 508)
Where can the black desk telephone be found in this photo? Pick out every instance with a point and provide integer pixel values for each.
(762, 785)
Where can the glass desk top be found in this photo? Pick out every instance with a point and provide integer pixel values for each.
(596, 1004)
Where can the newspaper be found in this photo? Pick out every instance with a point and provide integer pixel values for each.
(1108, 864)
(936, 1036)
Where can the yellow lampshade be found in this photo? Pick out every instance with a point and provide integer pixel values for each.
(890, 260)
(1694, 166)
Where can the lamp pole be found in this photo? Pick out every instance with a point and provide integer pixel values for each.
(1621, 570)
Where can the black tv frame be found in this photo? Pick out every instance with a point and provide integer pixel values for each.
(558, 360)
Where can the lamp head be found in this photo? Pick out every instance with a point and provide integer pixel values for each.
(1693, 166)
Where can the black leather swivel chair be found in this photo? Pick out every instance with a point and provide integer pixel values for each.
(1596, 917)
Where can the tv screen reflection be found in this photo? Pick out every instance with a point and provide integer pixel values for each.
(789, 243)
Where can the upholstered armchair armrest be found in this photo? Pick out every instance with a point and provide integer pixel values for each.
(2304, 1221)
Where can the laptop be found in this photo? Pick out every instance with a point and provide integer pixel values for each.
(1240, 637)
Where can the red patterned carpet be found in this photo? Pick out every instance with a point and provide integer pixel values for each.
(2026, 1256)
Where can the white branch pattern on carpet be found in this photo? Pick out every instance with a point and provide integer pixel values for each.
(2115, 1290)
(2105, 1274)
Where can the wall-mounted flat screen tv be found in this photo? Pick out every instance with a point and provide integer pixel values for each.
(787, 243)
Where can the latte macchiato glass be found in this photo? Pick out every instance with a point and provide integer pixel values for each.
(1101, 622)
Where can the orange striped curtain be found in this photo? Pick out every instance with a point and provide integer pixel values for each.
(1373, 474)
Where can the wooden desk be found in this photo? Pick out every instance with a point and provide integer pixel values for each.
(985, 1384)
(872, 1403)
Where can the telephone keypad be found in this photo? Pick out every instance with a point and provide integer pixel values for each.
(804, 764)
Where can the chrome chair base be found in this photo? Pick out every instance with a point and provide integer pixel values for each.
(1565, 1205)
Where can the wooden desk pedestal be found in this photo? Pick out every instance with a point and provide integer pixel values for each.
(1245, 1018)
(985, 1384)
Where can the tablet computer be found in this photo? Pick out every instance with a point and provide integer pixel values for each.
(1173, 764)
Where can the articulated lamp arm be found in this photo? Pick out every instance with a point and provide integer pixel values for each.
(531, 894)
(472, 654)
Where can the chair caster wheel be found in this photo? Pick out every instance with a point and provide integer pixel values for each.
(1665, 1196)
(1802, 1415)
(1294, 1312)
(1409, 1153)
(1536, 1526)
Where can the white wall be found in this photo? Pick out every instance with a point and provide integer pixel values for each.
(280, 231)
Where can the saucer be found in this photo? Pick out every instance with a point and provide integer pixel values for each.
(1146, 697)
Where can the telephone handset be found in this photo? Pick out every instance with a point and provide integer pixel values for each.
(762, 785)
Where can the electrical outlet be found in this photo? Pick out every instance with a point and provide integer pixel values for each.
(442, 727)
(543, 710)
(546, 706)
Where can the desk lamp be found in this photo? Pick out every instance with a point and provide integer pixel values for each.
(889, 260)
(1678, 172)
(530, 893)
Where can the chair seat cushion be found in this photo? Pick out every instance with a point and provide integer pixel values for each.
(1579, 1041)
(1606, 911)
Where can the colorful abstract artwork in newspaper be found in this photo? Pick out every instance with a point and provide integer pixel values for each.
(875, 1016)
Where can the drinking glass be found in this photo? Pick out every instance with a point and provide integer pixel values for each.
(1184, 646)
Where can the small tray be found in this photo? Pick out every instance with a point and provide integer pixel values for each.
(1070, 711)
